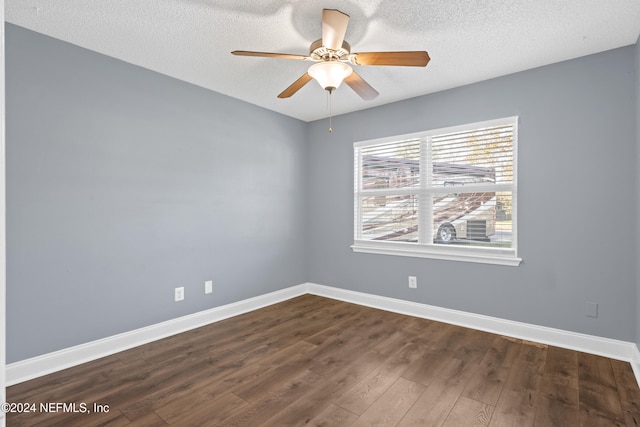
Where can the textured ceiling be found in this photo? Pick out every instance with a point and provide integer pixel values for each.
(468, 41)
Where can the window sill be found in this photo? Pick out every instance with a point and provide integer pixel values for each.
(483, 256)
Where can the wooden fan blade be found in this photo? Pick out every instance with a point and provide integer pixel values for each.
(334, 27)
(269, 54)
(361, 87)
(296, 86)
(418, 58)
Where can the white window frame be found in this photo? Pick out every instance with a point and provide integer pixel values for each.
(426, 248)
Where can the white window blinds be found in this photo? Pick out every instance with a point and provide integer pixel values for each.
(450, 190)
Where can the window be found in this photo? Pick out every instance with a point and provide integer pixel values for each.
(446, 194)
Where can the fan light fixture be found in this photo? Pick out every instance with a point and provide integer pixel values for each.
(330, 74)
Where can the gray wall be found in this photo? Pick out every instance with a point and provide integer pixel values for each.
(577, 199)
(123, 184)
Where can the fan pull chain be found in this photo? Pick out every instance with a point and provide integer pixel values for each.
(329, 101)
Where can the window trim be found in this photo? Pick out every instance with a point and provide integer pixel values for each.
(486, 255)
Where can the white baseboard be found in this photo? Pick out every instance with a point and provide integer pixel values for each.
(34, 367)
(635, 363)
(614, 349)
(41, 365)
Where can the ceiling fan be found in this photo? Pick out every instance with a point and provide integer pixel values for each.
(332, 58)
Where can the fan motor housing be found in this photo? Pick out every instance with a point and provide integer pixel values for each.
(319, 52)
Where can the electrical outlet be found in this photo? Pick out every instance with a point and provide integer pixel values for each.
(413, 282)
(179, 293)
(208, 286)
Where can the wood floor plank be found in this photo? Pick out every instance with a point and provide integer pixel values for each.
(148, 401)
(597, 389)
(474, 345)
(488, 381)
(192, 383)
(332, 388)
(259, 387)
(151, 419)
(469, 412)
(362, 396)
(558, 400)
(279, 334)
(316, 361)
(392, 405)
(333, 416)
(334, 353)
(417, 325)
(388, 344)
(273, 356)
(426, 368)
(435, 403)
(206, 407)
(628, 391)
(561, 368)
(249, 371)
(515, 408)
(256, 413)
(163, 376)
(340, 330)
(518, 400)
(555, 412)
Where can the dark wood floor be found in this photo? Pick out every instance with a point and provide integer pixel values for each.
(320, 362)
